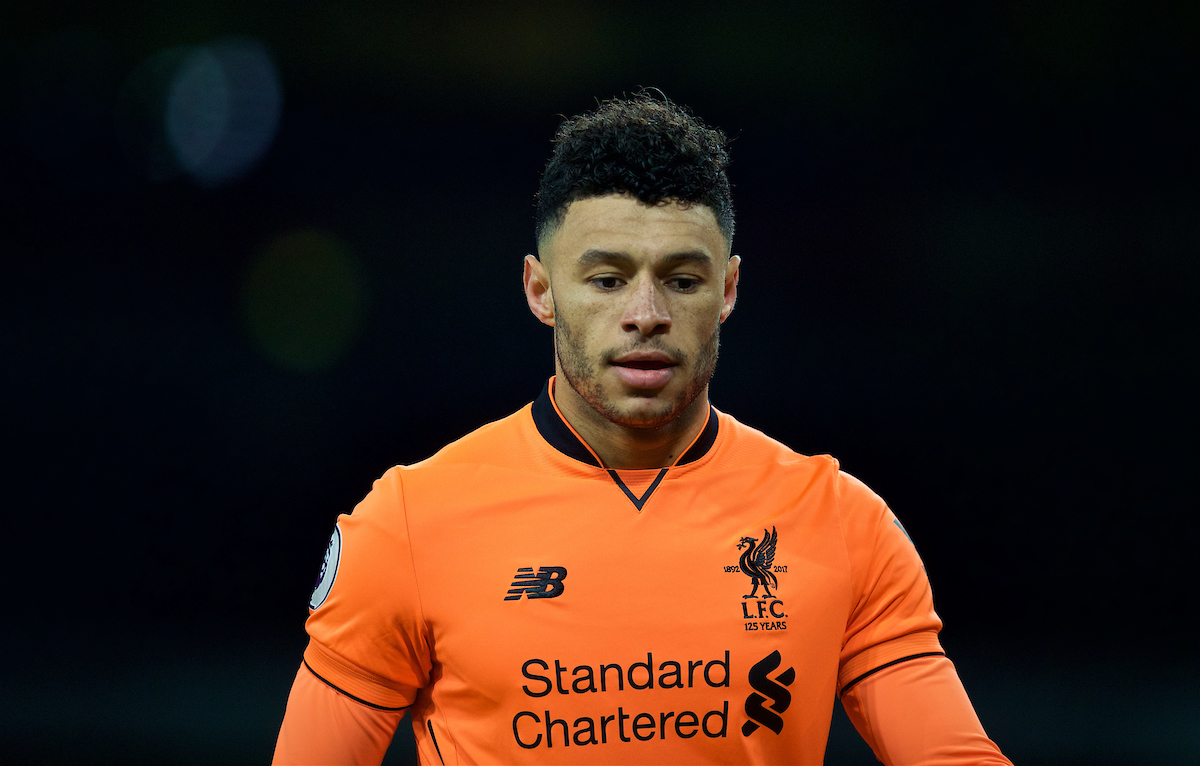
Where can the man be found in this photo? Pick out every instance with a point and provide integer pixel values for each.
(620, 573)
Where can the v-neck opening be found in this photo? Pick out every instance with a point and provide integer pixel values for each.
(559, 434)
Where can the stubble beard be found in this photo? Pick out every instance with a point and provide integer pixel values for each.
(581, 373)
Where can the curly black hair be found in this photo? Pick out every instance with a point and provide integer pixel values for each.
(645, 146)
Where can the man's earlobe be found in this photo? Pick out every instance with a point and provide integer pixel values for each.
(537, 290)
(733, 271)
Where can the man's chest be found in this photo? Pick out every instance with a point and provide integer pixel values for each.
(709, 615)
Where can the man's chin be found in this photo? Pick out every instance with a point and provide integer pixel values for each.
(646, 411)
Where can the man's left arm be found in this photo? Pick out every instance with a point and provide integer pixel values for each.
(895, 682)
(917, 712)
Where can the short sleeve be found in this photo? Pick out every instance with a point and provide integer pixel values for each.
(368, 637)
(892, 618)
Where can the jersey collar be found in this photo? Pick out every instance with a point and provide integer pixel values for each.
(554, 429)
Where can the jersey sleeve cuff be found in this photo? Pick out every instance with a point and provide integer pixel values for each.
(354, 683)
(868, 661)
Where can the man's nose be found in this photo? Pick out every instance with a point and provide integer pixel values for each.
(646, 311)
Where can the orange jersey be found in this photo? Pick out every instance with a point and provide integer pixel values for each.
(531, 606)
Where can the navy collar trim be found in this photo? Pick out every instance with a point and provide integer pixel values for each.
(555, 431)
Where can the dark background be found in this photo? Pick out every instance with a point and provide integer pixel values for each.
(969, 239)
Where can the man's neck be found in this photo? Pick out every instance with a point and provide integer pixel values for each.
(620, 446)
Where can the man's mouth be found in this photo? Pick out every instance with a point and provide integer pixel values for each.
(645, 360)
(645, 370)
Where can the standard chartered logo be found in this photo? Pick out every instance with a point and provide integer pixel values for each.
(762, 684)
(612, 723)
(534, 729)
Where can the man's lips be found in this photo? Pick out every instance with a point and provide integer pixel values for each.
(645, 360)
(645, 369)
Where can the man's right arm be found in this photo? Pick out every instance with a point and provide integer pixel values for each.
(323, 726)
(369, 649)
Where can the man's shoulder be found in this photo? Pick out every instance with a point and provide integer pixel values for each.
(746, 444)
(465, 470)
(502, 441)
(745, 447)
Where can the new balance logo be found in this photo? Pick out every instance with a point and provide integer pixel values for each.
(546, 583)
(781, 698)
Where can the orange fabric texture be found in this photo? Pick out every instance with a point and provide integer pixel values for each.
(917, 712)
(533, 607)
(322, 726)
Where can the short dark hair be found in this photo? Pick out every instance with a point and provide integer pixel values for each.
(648, 147)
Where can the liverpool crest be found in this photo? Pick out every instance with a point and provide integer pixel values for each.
(757, 561)
(762, 609)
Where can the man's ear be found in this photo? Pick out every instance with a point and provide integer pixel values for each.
(732, 272)
(537, 290)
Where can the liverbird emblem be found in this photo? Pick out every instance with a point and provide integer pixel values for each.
(757, 561)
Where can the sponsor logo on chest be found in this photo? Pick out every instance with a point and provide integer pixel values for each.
(605, 724)
(589, 704)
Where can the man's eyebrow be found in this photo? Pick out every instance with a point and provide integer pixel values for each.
(691, 256)
(593, 257)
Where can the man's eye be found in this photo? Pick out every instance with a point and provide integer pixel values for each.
(685, 284)
(607, 283)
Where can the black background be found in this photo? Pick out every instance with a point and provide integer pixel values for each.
(969, 240)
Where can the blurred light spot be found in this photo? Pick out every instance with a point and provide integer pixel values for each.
(304, 299)
(197, 109)
(223, 109)
(211, 111)
(141, 106)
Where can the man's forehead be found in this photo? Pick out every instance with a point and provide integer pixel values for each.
(622, 223)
